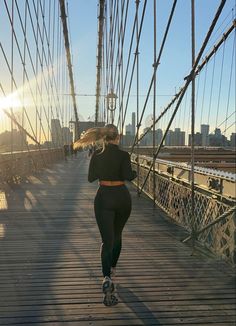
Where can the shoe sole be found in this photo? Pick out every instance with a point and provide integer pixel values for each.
(109, 298)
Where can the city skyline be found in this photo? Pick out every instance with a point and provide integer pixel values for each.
(215, 97)
(60, 136)
(177, 137)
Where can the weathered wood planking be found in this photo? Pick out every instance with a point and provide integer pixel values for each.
(50, 271)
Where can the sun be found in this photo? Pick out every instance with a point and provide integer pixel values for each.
(9, 102)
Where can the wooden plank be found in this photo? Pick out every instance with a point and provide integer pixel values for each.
(50, 270)
(158, 318)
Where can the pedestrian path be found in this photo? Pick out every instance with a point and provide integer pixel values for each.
(50, 271)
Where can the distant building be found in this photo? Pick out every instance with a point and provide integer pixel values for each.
(15, 140)
(218, 132)
(205, 135)
(175, 138)
(182, 138)
(197, 139)
(128, 130)
(147, 140)
(67, 136)
(133, 124)
(128, 138)
(85, 125)
(159, 135)
(233, 140)
(217, 139)
(169, 140)
(47, 144)
(179, 137)
(56, 133)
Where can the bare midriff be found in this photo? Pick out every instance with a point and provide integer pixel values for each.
(111, 183)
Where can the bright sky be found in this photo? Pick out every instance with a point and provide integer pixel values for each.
(176, 59)
(215, 97)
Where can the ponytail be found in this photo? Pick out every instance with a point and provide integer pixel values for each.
(97, 135)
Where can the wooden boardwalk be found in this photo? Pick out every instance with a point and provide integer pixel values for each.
(50, 270)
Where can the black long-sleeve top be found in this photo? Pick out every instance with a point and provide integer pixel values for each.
(112, 164)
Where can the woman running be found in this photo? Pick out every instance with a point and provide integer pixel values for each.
(112, 204)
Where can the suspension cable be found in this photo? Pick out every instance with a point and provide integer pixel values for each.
(69, 65)
(40, 57)
(230, 79)
(221, 75)
(134, 62)
(121, 68)
(188, 81)
(99, 56)
(154, 102)
(197, 71)
(211, 91)
(203, 95)
(156, 64)
(126, 72)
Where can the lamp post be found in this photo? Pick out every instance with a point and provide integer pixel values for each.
(111, 100)
(111, 103)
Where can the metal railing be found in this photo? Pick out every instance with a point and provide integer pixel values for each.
(215, 200)
(17, 165)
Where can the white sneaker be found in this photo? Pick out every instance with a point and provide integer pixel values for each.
(108, 289)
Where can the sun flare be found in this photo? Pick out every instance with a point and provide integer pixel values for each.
(10, 102)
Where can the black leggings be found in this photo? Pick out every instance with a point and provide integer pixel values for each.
(112, 207)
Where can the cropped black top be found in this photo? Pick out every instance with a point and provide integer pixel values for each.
(112, 164)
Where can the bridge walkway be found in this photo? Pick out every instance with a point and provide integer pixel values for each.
(50, 270)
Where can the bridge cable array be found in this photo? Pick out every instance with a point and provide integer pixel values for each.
(178, 110)
(35, 77)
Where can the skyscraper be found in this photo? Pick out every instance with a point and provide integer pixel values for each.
(128, 129)
(205, 135)
(67, 135)
(233, 140)
(169, 140)
(158, 136)
(56, 132)
(133, 124)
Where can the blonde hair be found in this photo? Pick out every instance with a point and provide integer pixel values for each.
(97, 135)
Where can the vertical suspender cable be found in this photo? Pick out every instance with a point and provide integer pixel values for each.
(119, 22)
(193, 124)
(121, 63)
(23, 80)
(12, 64)
(119, 85)
(103, 80)
(230, 81)
(53, 52)
(134, 62)
(37, 73)
(154, 103)
(211, 91)
(99, 57)
(187, 83)
(157, 62)
(42, 70)
(107, 61)
(220, 86)
(203, 95)
(69, 64)
(137, 87)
